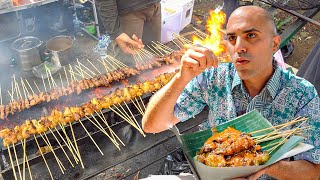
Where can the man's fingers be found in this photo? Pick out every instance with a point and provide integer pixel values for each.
(201, 58)
(191, 63)
(211, 59)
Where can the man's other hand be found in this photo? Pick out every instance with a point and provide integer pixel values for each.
(127, 44)
(195, 60)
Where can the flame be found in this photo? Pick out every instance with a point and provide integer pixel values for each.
(214, 27)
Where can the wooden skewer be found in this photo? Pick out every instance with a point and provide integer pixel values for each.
(117, 61)
(17, 87)
(61, 80)
(11, 162)
(24, 90)
(299, 119)
(17, 160)
(126, 117)
(88, 69)
(12, 92)
(104, 65)
(94, 66)
(72, 73)
(36, 86)
(48, 77)
(77, 68)
(61, 166)
(12, 99)
(282, 132)
(110, 58)
(121, 115)
(124, 112)
(104, 132)
(164, 46)
(135, 120)
(26, 159)
(142, 103)
(81, 71)
(24, 86)
(75, 141)
(153, 50)
(138, 107)
(65, 72)
(111, 131)
(30, 86)
(44, 159)
(68, 146)
(52, 79)
(157, 49)
(70, 142)
(0, 94)
(91, 138)
(65, 153)
(149, 52)
(44, 84)
(177, 44)
(146, 55)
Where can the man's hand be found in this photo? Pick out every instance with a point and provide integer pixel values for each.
(195, 60)
(287, 170)
(127, 44)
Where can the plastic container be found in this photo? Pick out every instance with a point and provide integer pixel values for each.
(102, 45)
(171, 19)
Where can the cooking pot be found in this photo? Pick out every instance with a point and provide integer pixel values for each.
(26, 50)
(60, 50)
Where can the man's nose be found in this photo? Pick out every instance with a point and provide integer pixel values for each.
(240, 45)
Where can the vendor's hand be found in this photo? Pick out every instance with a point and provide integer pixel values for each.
(127, 44)
(195, 60)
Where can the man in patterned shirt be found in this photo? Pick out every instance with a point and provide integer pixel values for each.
(252, 81)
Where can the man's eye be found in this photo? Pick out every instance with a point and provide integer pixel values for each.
(251, 35)
(231, 38)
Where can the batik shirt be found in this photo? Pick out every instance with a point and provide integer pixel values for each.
(284, 97)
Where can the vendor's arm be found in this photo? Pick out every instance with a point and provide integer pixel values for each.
(109, 15)
(159, 115)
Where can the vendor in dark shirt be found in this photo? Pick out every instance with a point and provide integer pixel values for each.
(130, 23)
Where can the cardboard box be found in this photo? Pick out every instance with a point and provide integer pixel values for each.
(171, 22)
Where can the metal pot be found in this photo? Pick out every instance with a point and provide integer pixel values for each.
(60, 50)
(27, 52)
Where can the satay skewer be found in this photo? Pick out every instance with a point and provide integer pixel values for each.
(30, 86)
(91, 138)
(44, 84)
(94, 66)
(76, 145)
(78, 68)
(114, 68)
(48, 77)
(111, 131)
(65, 72)
(65, 153)
(36, 86)
(44, 159)
(142, 103)
(0, 95)
(61, 166)
(298, 119)
(104, 65)
(17, 160)
(153, 50)
(81, 71)
(24, 90)
(116, 61)
(54, 84)
(68, 146)
(74, 149)
(12, 92)
(138, 107)
(11, 162)
(178, 44)
(61, 81)
(73, 77)
(135, 120)
(24, 85)
(112, 139)
(12, 99)
(88, 69)
(165, 47)
(17, 87)
(26, 159)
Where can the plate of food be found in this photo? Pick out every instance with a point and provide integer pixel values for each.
(242, 146)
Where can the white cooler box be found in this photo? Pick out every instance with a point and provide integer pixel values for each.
(171, 22)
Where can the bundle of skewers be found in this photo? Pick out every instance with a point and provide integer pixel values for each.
(78, 79)
(233, 148)
(116, 101)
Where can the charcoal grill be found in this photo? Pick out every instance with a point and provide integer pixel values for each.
(93, 161)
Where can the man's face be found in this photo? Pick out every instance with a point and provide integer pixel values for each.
(251, 44)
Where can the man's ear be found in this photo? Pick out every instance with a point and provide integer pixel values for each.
(276, 43)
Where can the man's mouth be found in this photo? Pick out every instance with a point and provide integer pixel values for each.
(241, 61)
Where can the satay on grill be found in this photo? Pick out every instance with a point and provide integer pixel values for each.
(70, 114)
(231, 148)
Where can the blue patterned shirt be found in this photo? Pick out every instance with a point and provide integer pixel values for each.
(284, 97)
